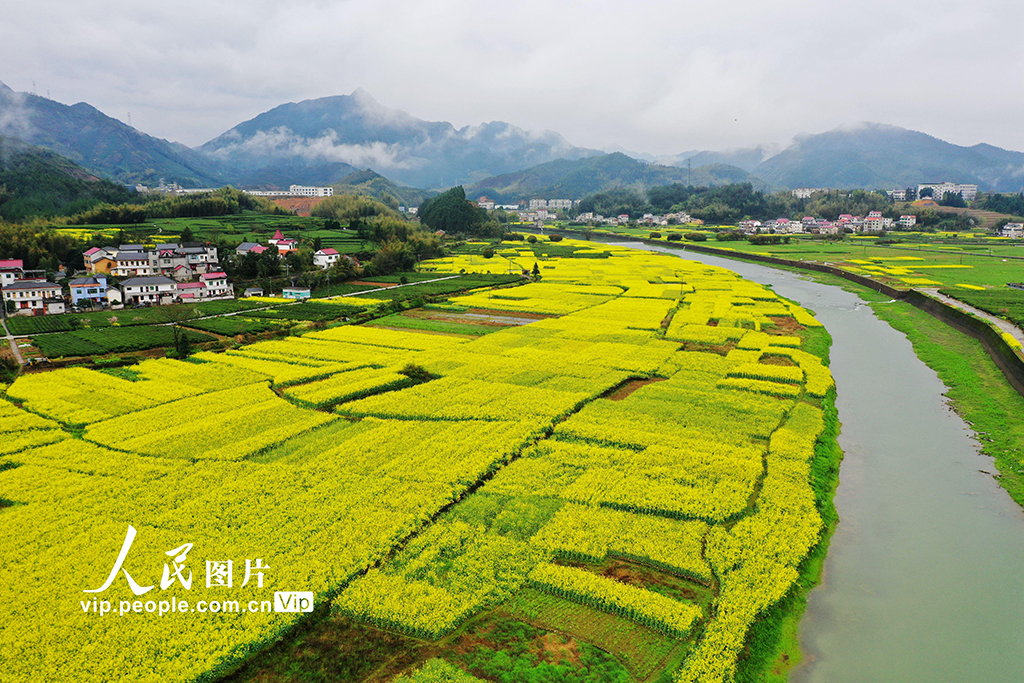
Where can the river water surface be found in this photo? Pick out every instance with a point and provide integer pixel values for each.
(924, 579)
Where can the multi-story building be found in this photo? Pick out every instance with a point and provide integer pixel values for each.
(88, 289)
(11, 270)
(30, 297)
(939, 190)
(806, 192)
(153, 289)
(305, 191)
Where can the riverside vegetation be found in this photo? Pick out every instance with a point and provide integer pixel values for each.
(647, 466)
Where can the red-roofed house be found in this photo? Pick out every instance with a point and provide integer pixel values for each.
(217, 286)
(11, 270)
(325, 258)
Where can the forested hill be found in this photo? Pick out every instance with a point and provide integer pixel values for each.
(37, 182)
(101, 144)
(564, 179)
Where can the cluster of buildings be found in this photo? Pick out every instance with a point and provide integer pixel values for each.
(938, 191)
(874, 222)
(169, 273)
(651, 219)
(182, 262)
(322, 258)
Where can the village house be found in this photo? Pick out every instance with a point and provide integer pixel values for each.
(99, 260)
(11, 270)
(246, 247)
(153, 289)
(283, 244)
(33, 297)
(325, 258)
(91, 290)
(1014, 231)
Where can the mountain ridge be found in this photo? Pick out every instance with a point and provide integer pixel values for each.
(320, 141)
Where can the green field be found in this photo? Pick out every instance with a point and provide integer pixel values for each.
(1006, 303)
(111, 340)
(918, 259)
(237, 228)
(126, 317)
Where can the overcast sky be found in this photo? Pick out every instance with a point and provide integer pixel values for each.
(655, 77)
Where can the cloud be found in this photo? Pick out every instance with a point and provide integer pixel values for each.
(15, 119)
(646, 75)
(282, 142)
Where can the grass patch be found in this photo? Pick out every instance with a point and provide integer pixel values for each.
(644, 651)
(113, 340)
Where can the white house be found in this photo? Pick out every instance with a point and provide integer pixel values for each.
(1013, 231)
(132, 263)
(908, 221)
(29, 296)
(217, 285)
(11, 270)
(154, 289)
(325, 258)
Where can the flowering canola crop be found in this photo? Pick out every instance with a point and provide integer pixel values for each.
(657, 411)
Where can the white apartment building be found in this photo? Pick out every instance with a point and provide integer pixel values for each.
(307, 191)
(968, 192)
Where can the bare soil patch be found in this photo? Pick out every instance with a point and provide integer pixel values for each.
(629, 387)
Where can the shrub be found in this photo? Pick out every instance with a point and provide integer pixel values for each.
(417, 373)
(655, 235)
(695, 236)
(674, 237)
(555, 238)
(488, 252)
(729, 235)
(532, 239)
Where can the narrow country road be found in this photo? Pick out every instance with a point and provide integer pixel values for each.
(1003, 325)
(13, 342)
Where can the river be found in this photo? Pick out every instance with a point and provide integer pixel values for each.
(924, 579)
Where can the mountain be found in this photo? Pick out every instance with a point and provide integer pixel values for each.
(877, 156)
(37, 182)
(565, 179)
(356, 130)
(747, 159)
(101, 144)
(375, 185)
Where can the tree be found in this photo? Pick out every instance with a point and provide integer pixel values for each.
(926, 192)
(953, 199)
(186, 234)
(454, 214)
(175, 315)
